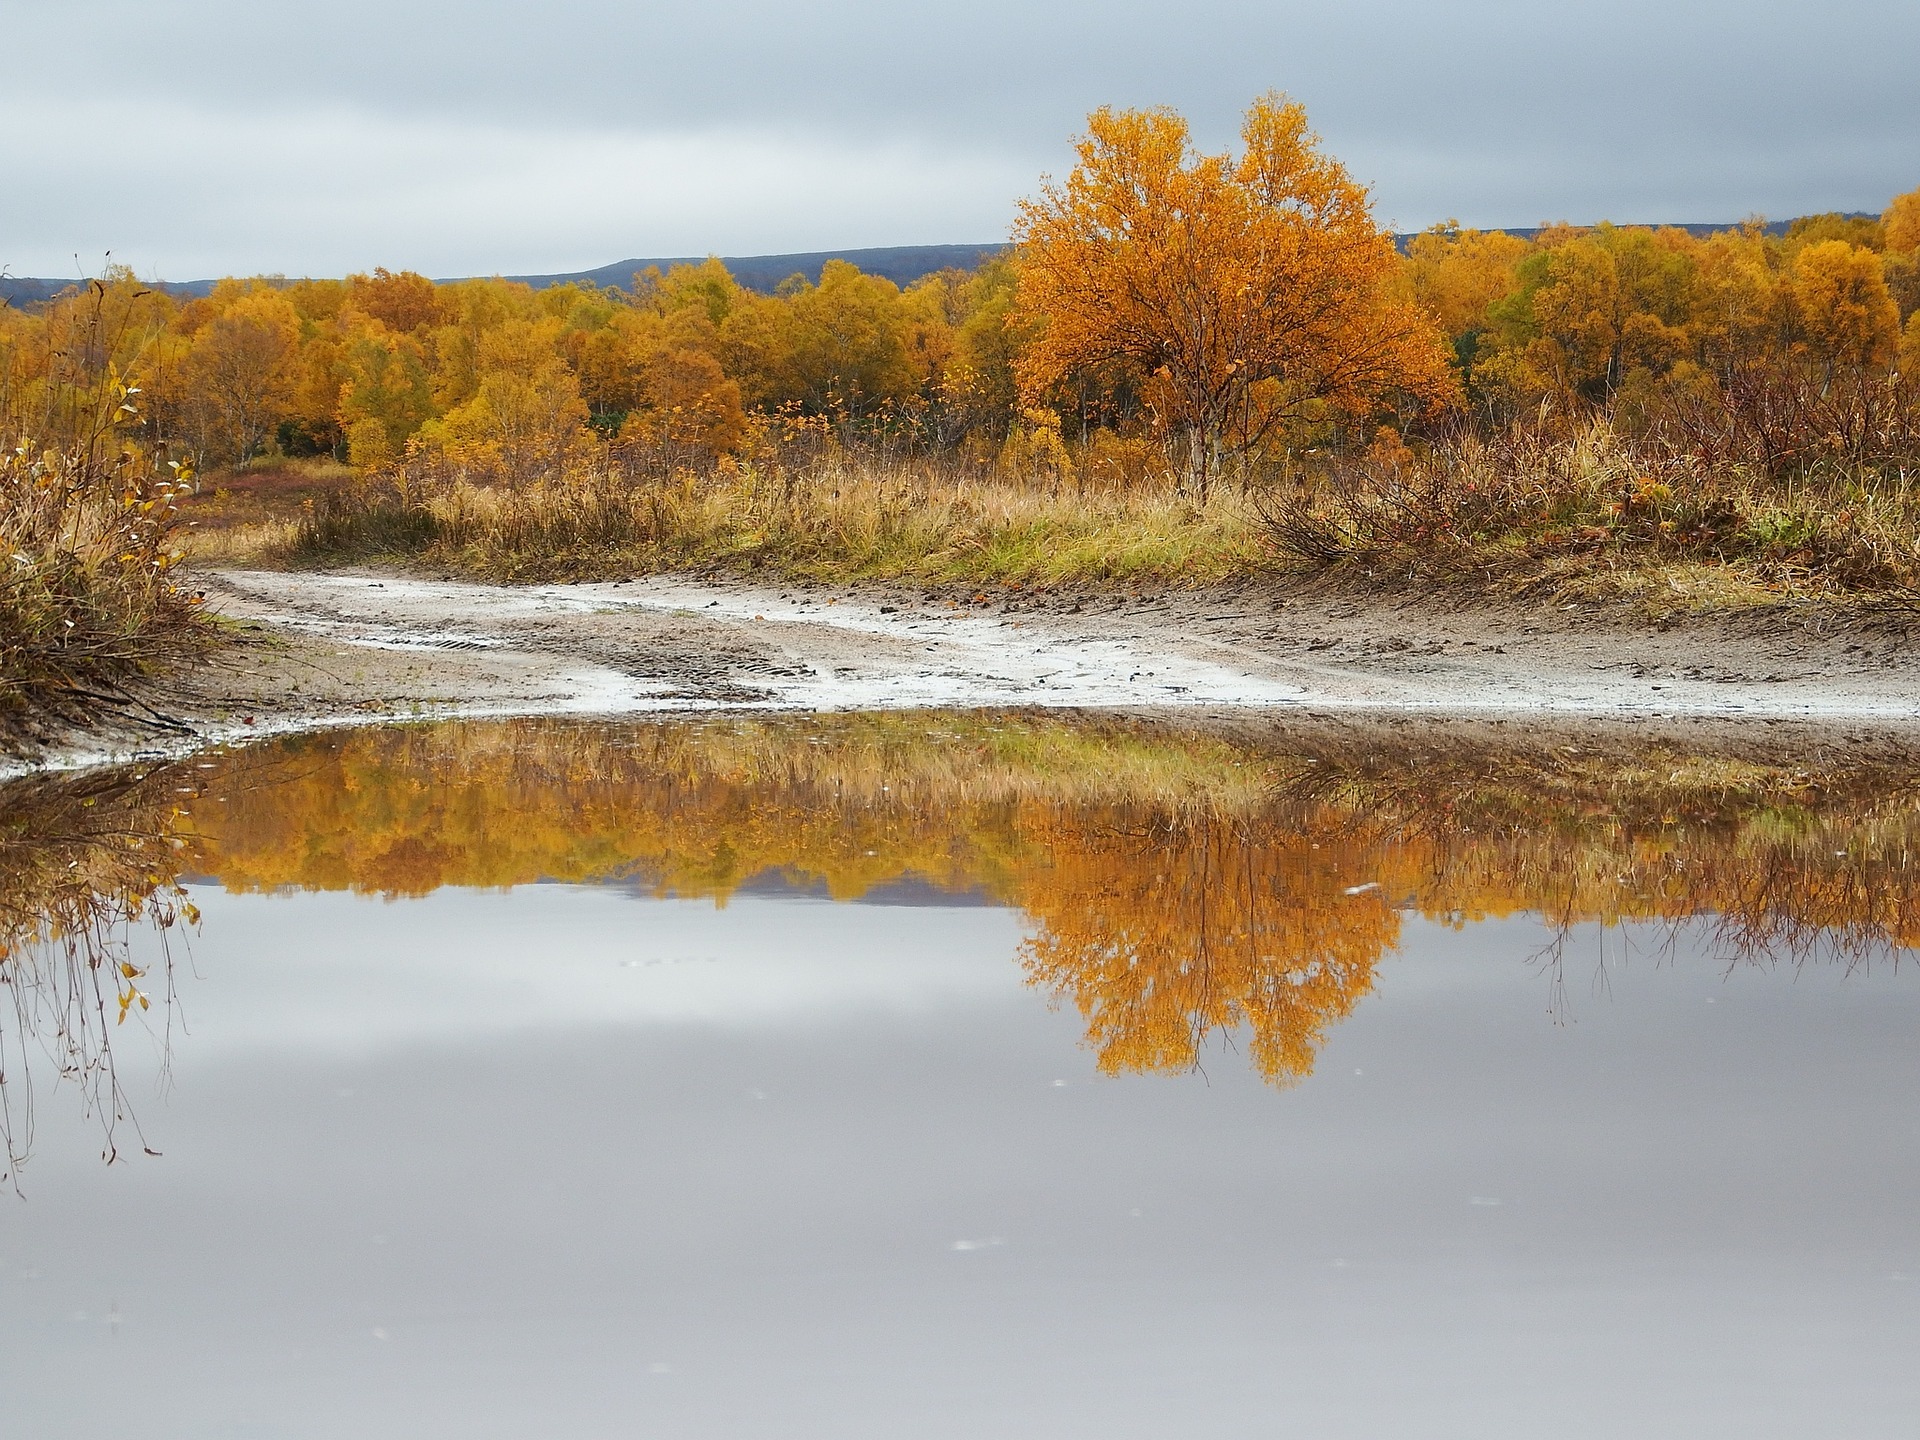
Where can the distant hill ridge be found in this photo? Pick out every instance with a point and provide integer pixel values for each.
(902, 264)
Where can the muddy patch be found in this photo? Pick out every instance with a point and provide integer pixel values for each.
(322, 649)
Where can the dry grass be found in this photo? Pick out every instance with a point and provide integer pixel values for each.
(837, 522)
(89, 605)
(89, 535)
(268, 491)
(1585, 514)
(1597, 516)
(239, 515)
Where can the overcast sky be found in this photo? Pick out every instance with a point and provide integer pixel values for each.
(207, 137)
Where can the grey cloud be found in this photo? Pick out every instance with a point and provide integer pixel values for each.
(999, 68)
(1495, 112)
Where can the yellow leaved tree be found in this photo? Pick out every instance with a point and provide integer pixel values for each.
(1244, 291)
(1900, 223)
(1847, 317)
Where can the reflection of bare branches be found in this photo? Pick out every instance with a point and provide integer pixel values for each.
(1550, 960)
(85, 861)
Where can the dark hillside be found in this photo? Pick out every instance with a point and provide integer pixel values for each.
(902, 264)
(23, 290)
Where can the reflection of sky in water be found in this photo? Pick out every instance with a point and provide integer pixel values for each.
(561, 1162)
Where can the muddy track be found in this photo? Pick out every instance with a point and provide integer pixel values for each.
(315, 650)
(331, 645)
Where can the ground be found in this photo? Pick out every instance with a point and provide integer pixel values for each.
(329, 648)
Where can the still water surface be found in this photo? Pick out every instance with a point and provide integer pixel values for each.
(931, 1076)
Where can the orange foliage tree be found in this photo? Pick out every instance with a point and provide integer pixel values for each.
(242, 373)
(1846, 314)
(1246, 290)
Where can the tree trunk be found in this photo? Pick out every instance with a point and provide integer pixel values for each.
(1199, 462)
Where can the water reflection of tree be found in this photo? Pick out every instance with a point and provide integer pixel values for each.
(1181, 885)
(86, 861)
(1163, 928)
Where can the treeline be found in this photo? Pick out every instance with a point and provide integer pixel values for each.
(492, 374)
(1776, 350)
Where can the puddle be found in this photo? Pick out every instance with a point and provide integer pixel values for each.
(937, 1074)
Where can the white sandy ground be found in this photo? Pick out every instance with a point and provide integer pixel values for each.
(664, 643)
(766, 649)
(337, 648)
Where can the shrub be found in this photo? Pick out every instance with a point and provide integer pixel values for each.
(89, 599)
(1528, 510)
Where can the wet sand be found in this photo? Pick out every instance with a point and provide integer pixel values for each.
(347, 647)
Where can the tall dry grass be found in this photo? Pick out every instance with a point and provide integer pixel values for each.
(89, 600)
(840, 520)
(1754, 494)
(1598, 513)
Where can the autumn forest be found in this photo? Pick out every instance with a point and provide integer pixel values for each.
(1059, 358)
(1232, 799)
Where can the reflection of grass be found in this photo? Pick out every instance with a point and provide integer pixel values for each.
(1177, 883)
(84, 859)
(703, 802)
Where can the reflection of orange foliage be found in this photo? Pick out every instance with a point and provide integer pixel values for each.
(1163, 931)
(1177, 884)
(401, 812)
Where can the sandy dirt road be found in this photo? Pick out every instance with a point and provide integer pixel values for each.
(339, 644)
